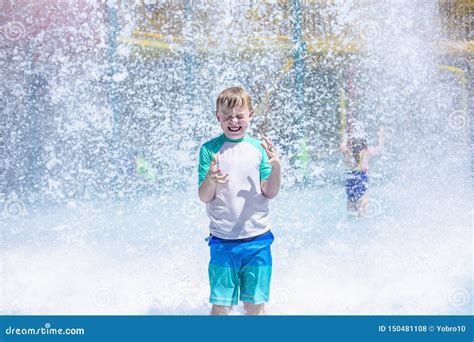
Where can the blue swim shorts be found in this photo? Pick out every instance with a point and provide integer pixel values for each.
(356, 185)
(240, 265)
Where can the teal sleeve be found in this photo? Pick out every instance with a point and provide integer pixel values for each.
(205, 159)
(206, 153)
(265, 167)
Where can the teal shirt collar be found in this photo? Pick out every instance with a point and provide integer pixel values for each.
(233, 140)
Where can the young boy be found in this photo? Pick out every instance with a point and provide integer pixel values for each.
(237, 177)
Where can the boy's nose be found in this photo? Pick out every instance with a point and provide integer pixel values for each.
(234, 119)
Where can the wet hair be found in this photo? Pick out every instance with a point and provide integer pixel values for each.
(234, 97)
(358, 145)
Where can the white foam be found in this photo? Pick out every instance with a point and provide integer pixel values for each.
(154, 261)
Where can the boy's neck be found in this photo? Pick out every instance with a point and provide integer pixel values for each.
(233, 140)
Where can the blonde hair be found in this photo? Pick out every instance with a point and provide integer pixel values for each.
(234, 97)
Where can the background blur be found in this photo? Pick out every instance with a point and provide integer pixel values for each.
(105, 99)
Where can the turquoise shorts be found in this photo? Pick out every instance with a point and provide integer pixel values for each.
(240, 265)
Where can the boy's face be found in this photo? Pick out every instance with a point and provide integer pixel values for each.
(234, 121)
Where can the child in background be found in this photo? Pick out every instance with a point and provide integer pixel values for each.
(357, 155)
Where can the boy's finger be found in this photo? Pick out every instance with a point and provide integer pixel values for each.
(268, 141)
(270, 149)
(222, 177)
(267, 148)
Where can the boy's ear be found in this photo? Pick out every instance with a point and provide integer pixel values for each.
(251, 113)
(217, 116)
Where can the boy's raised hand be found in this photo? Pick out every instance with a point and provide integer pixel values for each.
(214, 171)
(273, 158)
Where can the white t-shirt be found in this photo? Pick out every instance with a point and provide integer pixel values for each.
(239, 210)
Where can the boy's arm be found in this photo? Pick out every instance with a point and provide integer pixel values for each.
(207, 189)
(271, 186)
(372, 151)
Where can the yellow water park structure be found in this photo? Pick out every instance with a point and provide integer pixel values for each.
(301, 28)
(164, 25)
(299, 32)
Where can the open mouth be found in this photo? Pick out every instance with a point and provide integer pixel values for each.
(234, 129)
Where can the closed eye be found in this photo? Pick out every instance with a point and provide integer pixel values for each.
(239, 117)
